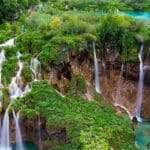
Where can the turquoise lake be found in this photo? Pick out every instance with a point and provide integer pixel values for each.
(137, 14)
(143, 136)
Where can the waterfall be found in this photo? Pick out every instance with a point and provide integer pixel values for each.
(10, 42)
(61, 94)
(5, 139)
(16, 83)
(2, 59)
(19, 143)
(140, 86)
(35, 67)
(96, 71)
(119, 85)
(118, 93)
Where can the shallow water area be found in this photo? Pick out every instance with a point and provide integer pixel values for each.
(143, 135)
(27, 146)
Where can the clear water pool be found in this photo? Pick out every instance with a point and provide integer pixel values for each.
(27, 146)
(143, 136)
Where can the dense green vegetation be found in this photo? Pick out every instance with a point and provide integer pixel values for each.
(54, 38)
(77, 85)
(8, 70)
(10, 9)
(55, 32)
(89, 124)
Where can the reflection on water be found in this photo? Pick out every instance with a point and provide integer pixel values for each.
(143, 136)
(27, 146)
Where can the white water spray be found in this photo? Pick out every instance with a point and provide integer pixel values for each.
(140, 86)
(2, 59)
(5, 139)
(35, 67)
(19, 143)
(96, 71)
(10, 42)
(16, 83)
(124, 108)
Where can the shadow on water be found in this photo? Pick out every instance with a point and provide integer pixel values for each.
(27, 146)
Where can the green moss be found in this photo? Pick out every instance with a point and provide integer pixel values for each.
(3, 37)
(77, 86)
(29, 113)
(97, 96)
(8, 69)
(10, 51)
(49, 54)
(26, 73)
(5, 97)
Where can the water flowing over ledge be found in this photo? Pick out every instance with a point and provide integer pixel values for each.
(140, 86)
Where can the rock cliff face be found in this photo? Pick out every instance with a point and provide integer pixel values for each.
(37, 132)
(109, 73)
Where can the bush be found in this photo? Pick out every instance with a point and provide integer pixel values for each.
(77, 85)
(26, 73)
(8, 69)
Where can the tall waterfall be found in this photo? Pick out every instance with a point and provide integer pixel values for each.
(35, 67)
(96, 71)
(140, 86)
(19, 143)
(118, 94)
(5, 139)
(2, 59)
(16, 83)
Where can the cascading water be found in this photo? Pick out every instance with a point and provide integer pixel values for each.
(96, 71)
(2, 59)
(5, 139)
(19, 143)
(16, 83)
(140, 86)
(118, 94)
(35, 67)
(15, 89)
(10, 42)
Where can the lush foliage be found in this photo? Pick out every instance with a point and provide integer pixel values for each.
(9, 69)
(10, 9)
(56, 32)
(77, 85)
(89, 125)
(99, 5)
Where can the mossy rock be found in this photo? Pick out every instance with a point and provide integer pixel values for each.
(5, 97)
